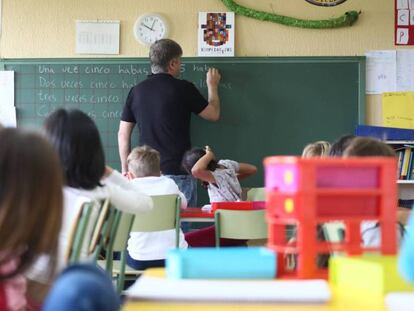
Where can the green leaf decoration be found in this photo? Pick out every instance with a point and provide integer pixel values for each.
(347, 19)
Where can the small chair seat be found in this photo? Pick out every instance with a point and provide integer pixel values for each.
(256, 194)
(240, 225)
(164, 215)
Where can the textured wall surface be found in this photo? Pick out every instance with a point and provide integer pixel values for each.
(46, 28)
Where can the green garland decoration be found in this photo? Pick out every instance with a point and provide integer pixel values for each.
(347, 19)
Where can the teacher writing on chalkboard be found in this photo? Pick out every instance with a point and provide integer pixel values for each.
(161, 106)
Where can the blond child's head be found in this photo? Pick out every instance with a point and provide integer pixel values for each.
(144, 161)
(368, 147)
(316, 149)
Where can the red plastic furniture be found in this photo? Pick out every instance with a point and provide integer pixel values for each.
(308, 192)
(238, 206)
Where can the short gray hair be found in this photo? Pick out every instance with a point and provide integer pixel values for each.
(162, 52)
(144, 161)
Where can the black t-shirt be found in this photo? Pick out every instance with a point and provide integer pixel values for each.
(162, 106)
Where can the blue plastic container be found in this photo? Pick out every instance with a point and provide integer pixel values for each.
(221, 263)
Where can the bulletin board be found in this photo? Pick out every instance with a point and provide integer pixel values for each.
(404, 22)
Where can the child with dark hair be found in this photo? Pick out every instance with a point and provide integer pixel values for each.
(221, 178)
(76, 140)
(339, 145)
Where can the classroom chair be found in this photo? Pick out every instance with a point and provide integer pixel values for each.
(101, 219)
(165, 215)
(119, 230)
(78, 238)
(240, 225)
(102, 229)
(256, 194)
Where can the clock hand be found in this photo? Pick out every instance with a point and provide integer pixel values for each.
(152, 26)
(147, 27)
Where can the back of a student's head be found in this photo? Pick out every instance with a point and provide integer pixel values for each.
(30, 197)
(316, 149)
(339, 145)
(191, 157)
(144, 161)
(368, 147)
(76, 139)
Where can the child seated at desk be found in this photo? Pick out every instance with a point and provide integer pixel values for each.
(338, 146)
(149, 249)
(221, 178)
(366, 147)
(31, 205)
(76, 140)
(317, 149)
(30, 211)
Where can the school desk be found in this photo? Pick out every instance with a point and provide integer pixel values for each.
(195, 214)
(340, 302)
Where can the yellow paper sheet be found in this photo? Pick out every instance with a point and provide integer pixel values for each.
(398, 109)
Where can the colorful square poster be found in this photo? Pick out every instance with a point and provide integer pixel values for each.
(215, 34)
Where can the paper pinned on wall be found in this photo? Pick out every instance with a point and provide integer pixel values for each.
(398, 109)
(402, 4)
(7, 109)
(405, 70)
(97, 37)
(381, 71)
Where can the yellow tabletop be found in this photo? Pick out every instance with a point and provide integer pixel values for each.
(340, 302)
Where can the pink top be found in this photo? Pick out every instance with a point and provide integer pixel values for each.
(14, 288)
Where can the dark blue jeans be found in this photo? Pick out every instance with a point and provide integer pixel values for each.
(188, 186)
(82, 287)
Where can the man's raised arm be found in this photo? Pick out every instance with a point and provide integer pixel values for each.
(212, 111)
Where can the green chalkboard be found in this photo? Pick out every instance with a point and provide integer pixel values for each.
(270, 105)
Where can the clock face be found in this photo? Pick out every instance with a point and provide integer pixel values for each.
(149, 28)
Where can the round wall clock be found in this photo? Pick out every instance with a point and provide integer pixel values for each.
(325, 2)
(149, 28)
